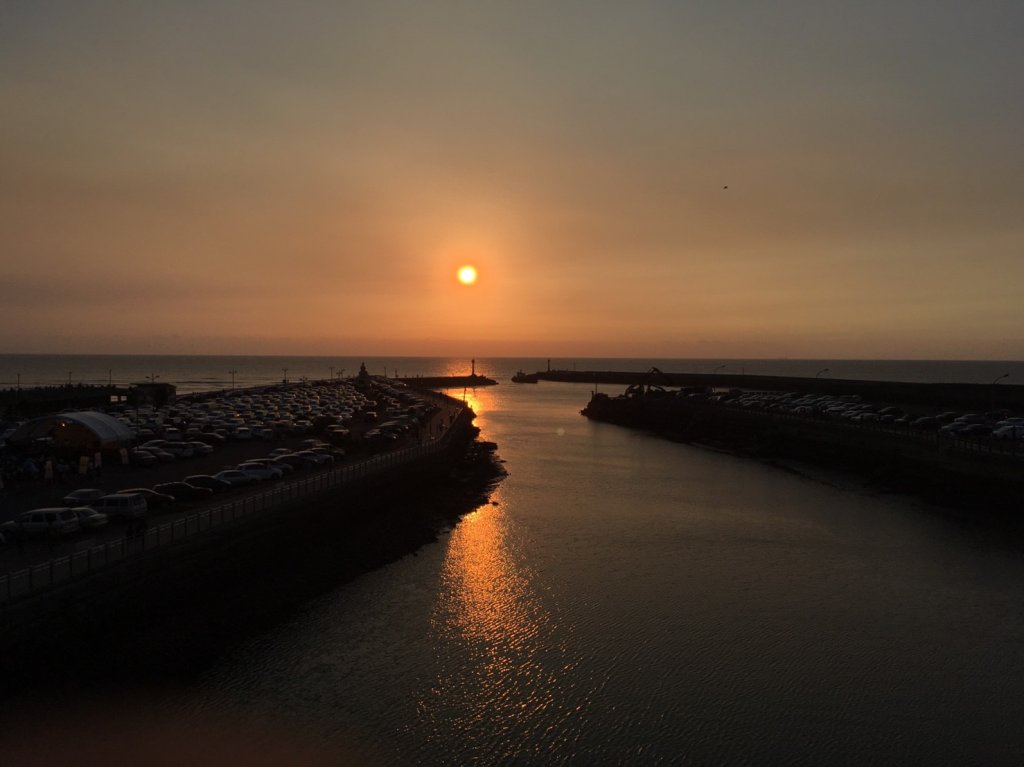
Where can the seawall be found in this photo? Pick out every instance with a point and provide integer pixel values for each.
(945, 471)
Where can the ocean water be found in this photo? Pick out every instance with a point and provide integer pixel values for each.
(627, 600)
(204, 373)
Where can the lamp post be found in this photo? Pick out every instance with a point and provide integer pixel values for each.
(285, 371)
(992, 390)
(823, 370)
(719, 368)
(232, 374)
(152, 377)
(110, 377)
(332, 372)
(69, 378)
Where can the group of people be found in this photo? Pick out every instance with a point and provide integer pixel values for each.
(16, 470)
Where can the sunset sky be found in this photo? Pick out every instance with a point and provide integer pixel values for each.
(307, 178)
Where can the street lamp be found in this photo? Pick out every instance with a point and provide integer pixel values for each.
(992, 391)
(823, 370)
(719, 368)
(332, 372)
(232, 374)
(285, 371)
(152, 378)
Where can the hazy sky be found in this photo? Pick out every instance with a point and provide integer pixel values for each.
(306, 177)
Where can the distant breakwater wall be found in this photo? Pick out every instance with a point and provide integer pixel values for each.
(982, 397)
(947, 471)
(446, 382)
(314, 506)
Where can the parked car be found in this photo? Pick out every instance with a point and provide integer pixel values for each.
(205, 480)
(141, 457)
(952, 429)
(282, 467)
(52, 522)
(320, 458)
(83, 496)
(236, 478)
(179, 449)
(183, 491)
(89, 518)
(260, 471)
(122, 506)
(154, 500)
(200, 448)
(1009, 431)
(298, 461)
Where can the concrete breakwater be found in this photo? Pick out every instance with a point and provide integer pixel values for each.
(446, 382)
(938, 395)
(948, 471)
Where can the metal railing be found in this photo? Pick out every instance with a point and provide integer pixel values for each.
(44, 575)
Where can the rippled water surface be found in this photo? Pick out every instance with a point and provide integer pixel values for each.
(627, 600)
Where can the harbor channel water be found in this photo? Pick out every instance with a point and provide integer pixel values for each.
(628, 600)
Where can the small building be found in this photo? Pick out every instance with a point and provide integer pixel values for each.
(151, 393)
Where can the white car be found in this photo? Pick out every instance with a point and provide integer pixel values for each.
(260, 471)
(1009, 431)
(236, 478)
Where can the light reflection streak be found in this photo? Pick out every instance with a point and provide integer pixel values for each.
(500, 665)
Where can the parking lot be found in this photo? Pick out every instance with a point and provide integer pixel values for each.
(376, 418)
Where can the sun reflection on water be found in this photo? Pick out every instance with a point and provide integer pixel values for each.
(503, 666)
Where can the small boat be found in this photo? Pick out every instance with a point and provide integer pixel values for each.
(522, 377)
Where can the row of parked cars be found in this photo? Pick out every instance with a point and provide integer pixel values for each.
(249, 414)
(90, 508)
(999, 425)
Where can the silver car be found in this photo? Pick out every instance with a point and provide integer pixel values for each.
(56, 521)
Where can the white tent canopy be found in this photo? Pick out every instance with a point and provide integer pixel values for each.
(109, 431)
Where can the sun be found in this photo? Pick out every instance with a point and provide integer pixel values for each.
(467, 274)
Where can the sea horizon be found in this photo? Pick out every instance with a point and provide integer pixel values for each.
(191, 373)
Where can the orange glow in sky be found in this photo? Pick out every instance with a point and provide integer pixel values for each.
(185, 196)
